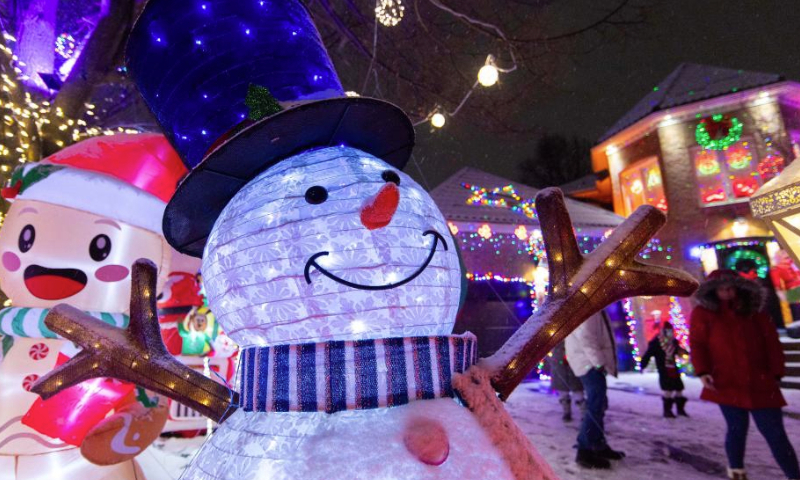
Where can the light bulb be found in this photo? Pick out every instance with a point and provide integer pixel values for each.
(488, 75)
(438, 120)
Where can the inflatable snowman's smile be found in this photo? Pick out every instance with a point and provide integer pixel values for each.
(312, 262)
(53, 283)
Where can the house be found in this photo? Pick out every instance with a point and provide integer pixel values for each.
(698, 146)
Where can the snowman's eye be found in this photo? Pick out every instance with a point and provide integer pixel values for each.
(391, 176)
(26, 238)
(100, 248)
(316, 195)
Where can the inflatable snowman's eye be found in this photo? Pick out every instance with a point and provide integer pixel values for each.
(26, 238)
(391, 176)
(100, 247)
(316, 195)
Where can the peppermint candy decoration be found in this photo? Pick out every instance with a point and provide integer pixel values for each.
(38, 351)
(27, 382)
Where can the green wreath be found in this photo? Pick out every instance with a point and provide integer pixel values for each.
(709, 131)
(762, 264)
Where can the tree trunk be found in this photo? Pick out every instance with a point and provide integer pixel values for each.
(36, 38)
(94, 64)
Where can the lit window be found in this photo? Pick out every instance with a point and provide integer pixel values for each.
(734, 174)
(641, 184)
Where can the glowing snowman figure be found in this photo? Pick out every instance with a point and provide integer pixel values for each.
(332, 269)
(336, 246)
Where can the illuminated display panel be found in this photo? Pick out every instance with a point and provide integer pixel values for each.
(642, 184)
(734, 174)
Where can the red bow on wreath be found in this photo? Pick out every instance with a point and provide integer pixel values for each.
(717, 128)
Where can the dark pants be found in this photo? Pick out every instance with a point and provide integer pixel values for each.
(770, 423)
(592, 433)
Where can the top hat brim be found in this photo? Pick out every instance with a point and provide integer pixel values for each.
(374, 126)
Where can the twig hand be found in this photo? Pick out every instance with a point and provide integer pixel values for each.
(136, 355)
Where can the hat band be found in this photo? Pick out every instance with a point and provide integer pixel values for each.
(352, 375)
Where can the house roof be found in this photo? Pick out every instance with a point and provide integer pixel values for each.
(451, 197)
(586, 182)
(689, 83)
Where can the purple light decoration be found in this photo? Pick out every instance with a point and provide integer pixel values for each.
(247, 31)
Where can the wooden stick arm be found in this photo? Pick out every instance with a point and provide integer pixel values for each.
(135, 355)
(581, 286)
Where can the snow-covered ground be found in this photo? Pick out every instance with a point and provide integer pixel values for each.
(657, 448)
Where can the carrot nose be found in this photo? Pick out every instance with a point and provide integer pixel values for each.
(378, 211)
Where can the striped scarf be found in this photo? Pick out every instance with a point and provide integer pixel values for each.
(352, 375)
(29, 322)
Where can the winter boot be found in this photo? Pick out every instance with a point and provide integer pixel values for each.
(610, 454)
(680, 403)
(589, 459)
(566, 405)
(668, 407)
(737, 474)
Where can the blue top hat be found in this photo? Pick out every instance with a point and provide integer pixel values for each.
(237, 86)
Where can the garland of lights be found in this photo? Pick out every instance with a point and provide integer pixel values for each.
(678, 322)
(724, 132)
(23, 118)
(630, 321)
(501, 197)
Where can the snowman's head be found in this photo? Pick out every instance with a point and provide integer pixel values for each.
(53, 254)
(331, 244)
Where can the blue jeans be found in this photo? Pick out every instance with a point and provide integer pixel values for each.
(592, 433)
(770, 423)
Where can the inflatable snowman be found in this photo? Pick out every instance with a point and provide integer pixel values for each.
(77, 221)
(331, 268)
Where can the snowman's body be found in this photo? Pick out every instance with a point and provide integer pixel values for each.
(334, 245)
(352, 445)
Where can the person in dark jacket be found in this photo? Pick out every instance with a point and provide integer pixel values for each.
(736, 352)
(663, 349)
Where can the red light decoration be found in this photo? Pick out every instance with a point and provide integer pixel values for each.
(745, 187)
(771, 166)
(714, 196)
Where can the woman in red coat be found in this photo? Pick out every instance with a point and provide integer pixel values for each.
(738, 357)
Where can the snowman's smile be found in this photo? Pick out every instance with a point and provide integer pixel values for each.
(312, 262)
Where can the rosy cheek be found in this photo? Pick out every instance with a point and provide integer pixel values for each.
(111, 273)
(11, 261)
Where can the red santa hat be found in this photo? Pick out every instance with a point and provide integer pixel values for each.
(125, 177)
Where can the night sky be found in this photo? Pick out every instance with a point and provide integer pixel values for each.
(602, 85)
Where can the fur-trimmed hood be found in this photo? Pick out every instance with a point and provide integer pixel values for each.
(752, 296)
